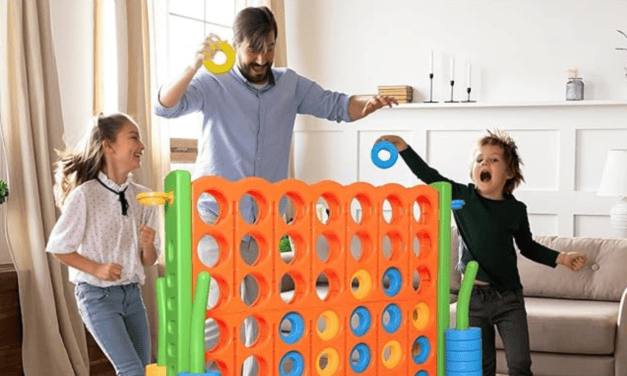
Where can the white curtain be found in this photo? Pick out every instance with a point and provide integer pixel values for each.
(130, 69)
(30, 115)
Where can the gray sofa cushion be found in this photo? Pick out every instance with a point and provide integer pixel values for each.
(576, 326)
(602, 278)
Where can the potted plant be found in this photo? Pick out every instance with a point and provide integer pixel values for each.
(4, 191)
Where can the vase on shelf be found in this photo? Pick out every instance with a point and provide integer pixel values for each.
(574, 89)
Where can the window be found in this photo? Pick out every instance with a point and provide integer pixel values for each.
(188, 23)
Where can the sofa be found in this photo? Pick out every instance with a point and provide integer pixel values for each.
(577, 320)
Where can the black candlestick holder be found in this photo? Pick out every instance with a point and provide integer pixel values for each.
(431, 90)
(468, 90)
(452, 85)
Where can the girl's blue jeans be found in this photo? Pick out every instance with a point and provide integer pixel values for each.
(116, 318)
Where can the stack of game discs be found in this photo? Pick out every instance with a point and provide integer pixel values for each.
(402, 93)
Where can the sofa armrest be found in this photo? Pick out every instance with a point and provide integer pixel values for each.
(620, 353)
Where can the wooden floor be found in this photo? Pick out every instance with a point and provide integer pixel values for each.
(11, 332)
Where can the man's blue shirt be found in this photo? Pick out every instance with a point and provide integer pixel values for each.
(246, 131)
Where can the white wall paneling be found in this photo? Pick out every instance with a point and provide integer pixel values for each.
(563, 149)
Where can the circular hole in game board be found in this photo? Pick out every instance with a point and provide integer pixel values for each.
(289, 207)
(212, 334)
(249, 249)
(323, 213)
(416, 246)
(249, 208)
(357, 210)
(249, 290)
(386, 247)
(424, 278)
(250, 366)
(214, 294)
(355, 246)
(323, 248)
(212, 366)
(321, 324)
(386, 210)
(287, 248)
(392, 246)
(415, 280)
(287, 288)
(387, 353)
(208, 251)
(417, 211)
(355, 285)
(249, 331)
(208, 208)
(322, 286)
(323, 361)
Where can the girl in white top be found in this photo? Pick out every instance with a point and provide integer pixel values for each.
(106, 238)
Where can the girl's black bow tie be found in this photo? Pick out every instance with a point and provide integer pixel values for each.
(123, 201)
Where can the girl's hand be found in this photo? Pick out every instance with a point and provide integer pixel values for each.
(146, 237)
(396, 140)
(573, 260)
(109, 272)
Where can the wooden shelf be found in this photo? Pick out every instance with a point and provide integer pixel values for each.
(441, 105)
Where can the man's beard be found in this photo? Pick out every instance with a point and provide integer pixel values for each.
(247, 69)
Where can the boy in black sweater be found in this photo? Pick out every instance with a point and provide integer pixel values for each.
(489, 221)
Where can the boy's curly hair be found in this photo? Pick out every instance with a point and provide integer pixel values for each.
(510, 153)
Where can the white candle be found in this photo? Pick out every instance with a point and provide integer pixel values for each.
(431, 65)
(452, 69)
(468, 79)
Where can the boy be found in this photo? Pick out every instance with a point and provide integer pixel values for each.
(489, 221)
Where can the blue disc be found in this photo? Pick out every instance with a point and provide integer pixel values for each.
(396, 282)
(384, 145)
(298, 364)
(363, 315)
(362, 363)
(395, 316)
(424, 350)
(298, 328)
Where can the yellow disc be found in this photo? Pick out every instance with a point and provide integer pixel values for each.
(155, 198)
(228, 64)
(333, 363)
(365, 284)
(396, 354)
(333, 325)
(421, 316)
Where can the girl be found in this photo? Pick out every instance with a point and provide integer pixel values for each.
(106, 238)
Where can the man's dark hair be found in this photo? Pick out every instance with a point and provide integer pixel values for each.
(254, 24)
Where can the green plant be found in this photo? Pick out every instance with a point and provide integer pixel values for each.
(622, 48)
(284, 245)
(4, 192)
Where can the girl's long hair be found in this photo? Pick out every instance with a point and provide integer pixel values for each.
(76, 166)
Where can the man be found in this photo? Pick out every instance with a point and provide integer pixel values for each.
(249, 116)
(249, 112)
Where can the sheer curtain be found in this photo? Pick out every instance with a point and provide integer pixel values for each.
(131, 61)
(132, 64)
(30, 116)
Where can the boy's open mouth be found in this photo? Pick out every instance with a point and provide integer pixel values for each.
(485, 176)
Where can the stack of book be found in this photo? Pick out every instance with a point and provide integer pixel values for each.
(402, 93)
